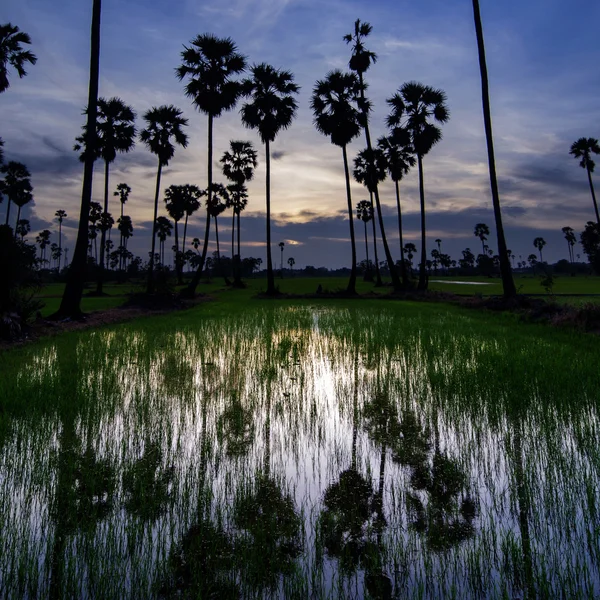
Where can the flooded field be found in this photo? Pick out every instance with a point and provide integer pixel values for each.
(362, 451)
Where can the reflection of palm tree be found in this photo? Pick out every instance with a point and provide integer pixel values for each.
(235, 429)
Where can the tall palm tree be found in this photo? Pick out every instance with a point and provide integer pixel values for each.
(482, 231)
(125, 226)
(399, 156)
(123, 191)
(583, 149)
(412, 106)
(70, 305)
(163, 230)
(210, 63)
(12, 54)
(219, 199)
(571, 241)
(539, 243)
(336, 114)
(271, 109)
(508, 283)
(162, 124)
(43, 240)
(360, 61)
(60, 215)
(191, 195)
(281, 247)
(176, 210)
(238, 163)
(21, 200)
(370, 169)
(115, 133)
(16, 185)
(364, 211)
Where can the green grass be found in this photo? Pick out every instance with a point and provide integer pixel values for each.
(259, 448)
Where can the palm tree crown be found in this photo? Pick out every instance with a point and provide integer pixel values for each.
(12, 54)
(361, 58)
(239, 161)
(583, 149)
(16, 185)
(272, 107)
(164, 123)
(399, 158)
(335, 107)
(210, 63)
(370, 168)
(364, 211)
(412, 107)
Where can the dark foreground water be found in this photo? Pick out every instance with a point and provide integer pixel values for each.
(376, 452)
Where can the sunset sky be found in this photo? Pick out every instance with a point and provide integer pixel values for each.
(542, 60)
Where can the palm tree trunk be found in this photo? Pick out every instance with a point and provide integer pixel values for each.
(593, 194)
(233, 268)
(239, 260)
(218, 247)
(18, 219)
(7, 212)
(366, 244)
(150, 287)
(402, 265)
(100, 282)
(270, 275)
(351, 289)
(190, 291)
(508, 283)
(59, 243)
(178, 257)
(422, 275)
(378, 281)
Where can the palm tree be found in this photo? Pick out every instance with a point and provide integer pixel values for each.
(482, 231)
(191, 195)
(360, 61)
(364, 211)
(210, 64)
(215, 205)
(336, 114)
(410, 250)
(16, 185)
(176, 209)
(291, 262)
(126, 230)
(370, 169)
(508, 283)
(271, 109)
(571, 241)
(163, 230)
(21, 200)
(400, 159)
(60, 215)
(162, 124)
(43, 240)
(583, 149)
(281, 246)
(12, 54)
(411, 107)
(115, 133)
(70, 305)
(539, 243)
(123, 191)
(238, 166)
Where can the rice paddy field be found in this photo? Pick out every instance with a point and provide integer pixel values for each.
(249, 448)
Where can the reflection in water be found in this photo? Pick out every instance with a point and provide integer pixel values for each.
(300, 453)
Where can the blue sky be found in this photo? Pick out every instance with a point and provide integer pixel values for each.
(542, 57)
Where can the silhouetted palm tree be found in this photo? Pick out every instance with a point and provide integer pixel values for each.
(23, 228)
(412, 106)
(115, 133)
(43, 240)
(125, 227)
(216, 205)
(16, 186)
(370, 169)
(400, 159)
(539, 243)
(336, 114)
(162, 124)
(176, 209)
(571, 241)
(12, 54)
(583, 148)
(271, 109)
(60, 215)
(163, 230)
(191, 203)
(123, 191)
(360, 61)
(238, 166)
(70, 305)
(508, 283)
(364, 211)
(210, 64)
(482, 231)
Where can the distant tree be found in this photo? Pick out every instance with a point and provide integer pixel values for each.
(468, 259)
(211, 64)
(218, 198)
(163, 230)
(162, 124)
(583, 148)
(532, 260)
(360, 62)
(16, 185)
(410, 250)
(364, 211)
(571, 241)
(439, 245)
(539, 243)
(336, 114)
(291, 262)
(196, 243)
(122, 191)
(11, 53)
(95, 214)
(43, 240)
(238, 201)
(412, 106)
(60, 216)
(126, 230)
(23, 228)
(22, 197)
(174, 204)
(281, 246)
(590, 240)
(271, 109)
(482, 231)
